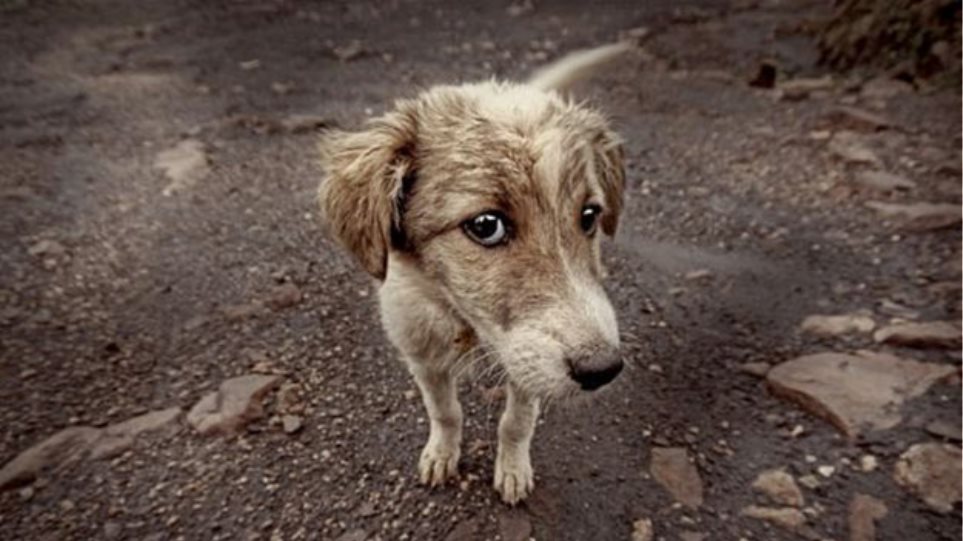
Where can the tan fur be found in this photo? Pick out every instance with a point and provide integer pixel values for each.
(396, 196)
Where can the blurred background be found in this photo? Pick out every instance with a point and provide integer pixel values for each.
(183, 355)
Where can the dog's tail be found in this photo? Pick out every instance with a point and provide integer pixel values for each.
(573, 67)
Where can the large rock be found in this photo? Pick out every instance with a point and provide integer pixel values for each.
(672, 468)
(119, 437)
(864, 511)
(780, 487)
(234, 404)
(856, 393)
(930, 334)
(64, 447)
(80, 442)
(821, 325)
(919, 216)
(932, 471)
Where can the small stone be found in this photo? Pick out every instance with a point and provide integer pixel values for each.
(868, 463)
(759, 369)
(353, 535)
(466, 530)
(111, 530)
(919, 216)
(697, 275)
(848, 147)
(826, 470)
(780, 487)
(929, 334)
(809, 481)
(854, 118)
(249, 65)
(882, 181)
(184, 165)
(26, 493)
(885, 88)
(945, 429)
(803, 87)
(47, 248)
(235, 403)
(642, 530)
(291, 423)
(281, 89)
(349, 52)
(304, 123)
(283, 296)
(932, 471)
(240, 312)
(821, 325)
(518, 9)
(785, 517)
(289, 398)
(864, 511)
(894, 309)
(673, 469)
(514, 526)
(855, 393)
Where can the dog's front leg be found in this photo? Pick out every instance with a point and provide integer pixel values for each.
(439, 391)
(514, 478)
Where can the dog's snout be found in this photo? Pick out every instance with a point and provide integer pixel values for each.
(595, 371)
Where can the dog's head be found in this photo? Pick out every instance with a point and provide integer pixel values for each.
(498, 194)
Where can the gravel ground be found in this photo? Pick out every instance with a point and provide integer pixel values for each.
(123, 292)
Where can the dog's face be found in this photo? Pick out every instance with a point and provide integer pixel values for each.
(498, 194)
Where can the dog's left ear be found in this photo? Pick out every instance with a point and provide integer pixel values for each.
(610, 171)
(362, 192)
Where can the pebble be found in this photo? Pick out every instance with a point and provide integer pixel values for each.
(836, 325)
(673, 469)
(780, 487)
(864, 511)
(642, 530)
(291, 423)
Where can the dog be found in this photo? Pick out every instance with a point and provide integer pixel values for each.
(479, 208)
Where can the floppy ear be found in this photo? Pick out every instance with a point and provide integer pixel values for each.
(610, 170)
(360, 196)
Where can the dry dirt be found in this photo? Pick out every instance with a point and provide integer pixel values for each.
(123, 292)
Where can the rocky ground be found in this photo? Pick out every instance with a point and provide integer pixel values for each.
(184, 356)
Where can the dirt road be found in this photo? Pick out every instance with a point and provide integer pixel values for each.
(158, 236)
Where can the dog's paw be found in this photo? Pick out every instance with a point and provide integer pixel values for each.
(514, 478)
(438, 464)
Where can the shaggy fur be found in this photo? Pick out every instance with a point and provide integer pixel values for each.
(396, 196)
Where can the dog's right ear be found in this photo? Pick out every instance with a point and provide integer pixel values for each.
(361, 194)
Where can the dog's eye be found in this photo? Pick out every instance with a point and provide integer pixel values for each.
(487, 229)
(589, 218)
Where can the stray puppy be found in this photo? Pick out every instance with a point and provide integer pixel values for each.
(478, 207)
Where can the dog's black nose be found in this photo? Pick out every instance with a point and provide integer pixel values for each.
(592, 373)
